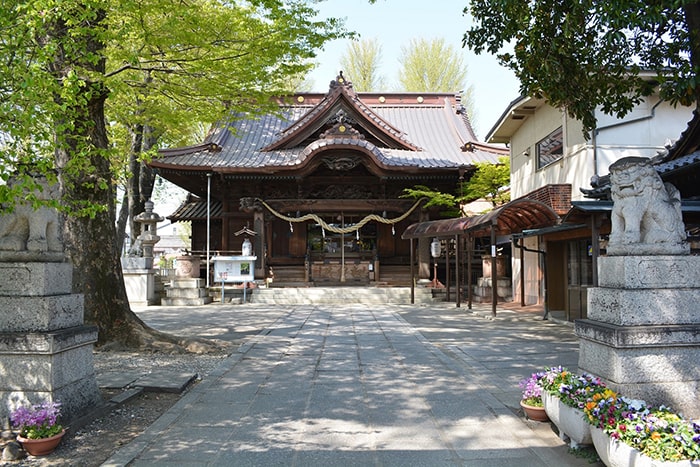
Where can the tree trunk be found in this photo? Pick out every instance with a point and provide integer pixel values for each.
(135, 206)
(85, 178)
(122, 219)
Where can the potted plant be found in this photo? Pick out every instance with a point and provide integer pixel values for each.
(565, 394)
(531, 400)
(627, 430)
(39, 430)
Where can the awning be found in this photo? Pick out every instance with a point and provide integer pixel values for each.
(513, 217)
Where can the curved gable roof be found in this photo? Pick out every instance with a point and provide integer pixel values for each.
(397, 133)
(341, 105)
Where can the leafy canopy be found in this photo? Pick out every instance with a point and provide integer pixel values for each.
(360, 64)
(168, 65)
(587, 54)
(488, 182)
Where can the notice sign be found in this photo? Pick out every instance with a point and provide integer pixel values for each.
(234, 268)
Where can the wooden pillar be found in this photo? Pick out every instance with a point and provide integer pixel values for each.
(457, 267)
(423, 251)
(413, 274)
(259, 244)
(494, 271)
(470, 255)
(522, 271)
(226, 241)
(447, 269)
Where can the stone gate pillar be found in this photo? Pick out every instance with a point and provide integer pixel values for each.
(642, 335)
(45, 348)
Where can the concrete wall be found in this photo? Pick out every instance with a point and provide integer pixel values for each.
(643, 132)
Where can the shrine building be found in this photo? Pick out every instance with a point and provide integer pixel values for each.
(321, 183)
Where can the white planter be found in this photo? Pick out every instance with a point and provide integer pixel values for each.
(617, 454)
(551, 406)
(571, 422)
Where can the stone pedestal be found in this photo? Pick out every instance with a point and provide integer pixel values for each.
(483, 292)
(141, 286)
(45, 350)
(642, 335)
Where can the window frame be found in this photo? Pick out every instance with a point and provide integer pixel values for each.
(548, 141)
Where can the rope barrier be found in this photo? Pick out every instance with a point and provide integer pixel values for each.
(341, 230)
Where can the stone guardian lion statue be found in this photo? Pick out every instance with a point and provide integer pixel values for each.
(646, 216)
(27, 233)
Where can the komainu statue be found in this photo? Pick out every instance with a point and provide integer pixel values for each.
(27, 233)
(646, 217)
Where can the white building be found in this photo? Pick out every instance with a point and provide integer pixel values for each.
(550, 156)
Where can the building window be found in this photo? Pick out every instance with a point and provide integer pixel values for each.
(550, 149)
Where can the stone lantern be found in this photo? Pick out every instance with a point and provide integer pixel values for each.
(148, 237)
(137, 266)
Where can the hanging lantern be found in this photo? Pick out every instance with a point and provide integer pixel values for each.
(435, 248)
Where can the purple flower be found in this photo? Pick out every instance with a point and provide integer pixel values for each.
(39, 421)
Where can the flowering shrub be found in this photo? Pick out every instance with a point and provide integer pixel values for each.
(620, 417)
(39, 421)
(669, 437)
(532, 391)
(658, 433)
(573, 390)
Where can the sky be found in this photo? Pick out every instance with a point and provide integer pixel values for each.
(394, 23)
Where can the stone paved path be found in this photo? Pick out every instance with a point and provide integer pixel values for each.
(359, 385)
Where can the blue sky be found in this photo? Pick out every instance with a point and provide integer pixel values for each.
(394, 23)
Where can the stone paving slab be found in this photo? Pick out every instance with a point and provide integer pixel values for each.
(165, 381)
(367, 385)
(156, 381)
(117, 379)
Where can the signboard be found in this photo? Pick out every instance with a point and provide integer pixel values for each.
(234, 268)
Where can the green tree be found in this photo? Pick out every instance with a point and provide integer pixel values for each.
(360, 64)
(63, 64)
(178, 67)
(588, 54)
(489, 182)
(434, 66)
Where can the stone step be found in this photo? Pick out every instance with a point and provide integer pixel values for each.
(185, 301)
(174, 292)
(187, 283)
(338, 295)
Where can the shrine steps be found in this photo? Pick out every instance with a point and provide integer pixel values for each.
(338, 295)
(186, 292)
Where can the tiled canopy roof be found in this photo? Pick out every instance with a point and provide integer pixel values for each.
(512, 217)
(418, 131)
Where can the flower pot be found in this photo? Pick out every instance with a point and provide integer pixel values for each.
(570, 421)
(602, 444)
(614, 453)
(551, 407)
(535, 413)
(41, 446)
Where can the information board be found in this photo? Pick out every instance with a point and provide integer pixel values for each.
(234, 268)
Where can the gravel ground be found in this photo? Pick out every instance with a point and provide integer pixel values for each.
(95, 441)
